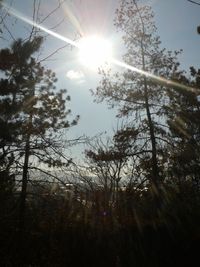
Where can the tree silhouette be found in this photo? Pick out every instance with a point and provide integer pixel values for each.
(184, 117)
(140, 98)
(33, 112)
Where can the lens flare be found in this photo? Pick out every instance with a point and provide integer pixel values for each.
(72, 18)
(164, 81)
(18, 15)
(95, 51)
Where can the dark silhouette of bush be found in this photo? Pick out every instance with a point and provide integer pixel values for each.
(55, 235)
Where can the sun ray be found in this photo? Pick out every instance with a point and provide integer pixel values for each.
(20, 16)
(74, 21)
(164, 81)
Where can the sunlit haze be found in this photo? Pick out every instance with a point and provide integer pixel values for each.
(95, 51)
(99, 133)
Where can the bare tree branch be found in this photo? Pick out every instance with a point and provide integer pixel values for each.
(194, 2)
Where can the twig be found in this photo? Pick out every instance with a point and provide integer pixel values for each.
(194, 2)
(53, 53)
(53, 11)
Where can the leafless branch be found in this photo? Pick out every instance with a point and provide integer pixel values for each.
(194, 2)
(50, 175)
(10, 33)
(53, 11)
(53, 53)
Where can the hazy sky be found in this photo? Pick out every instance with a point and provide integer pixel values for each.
(176, 21)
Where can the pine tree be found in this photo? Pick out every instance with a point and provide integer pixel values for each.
(140, 98)
(32, 113)
(184, 122)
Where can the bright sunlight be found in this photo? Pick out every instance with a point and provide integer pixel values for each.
(94, 51)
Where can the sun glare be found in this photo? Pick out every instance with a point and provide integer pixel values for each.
(94, 51)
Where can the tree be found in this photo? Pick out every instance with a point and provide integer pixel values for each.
(140, 98)
(106, 162)
(184, 122)
(115, 170)
(33, 112)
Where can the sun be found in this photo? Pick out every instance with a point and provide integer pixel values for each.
(94, 51)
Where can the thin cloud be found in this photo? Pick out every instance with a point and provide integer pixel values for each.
(75, 75)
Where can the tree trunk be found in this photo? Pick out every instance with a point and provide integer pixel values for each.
(22, 208)
(155, 173)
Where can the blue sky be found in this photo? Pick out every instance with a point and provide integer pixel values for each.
(176, 21)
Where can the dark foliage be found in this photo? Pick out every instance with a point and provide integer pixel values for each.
(60, 233)
(112, 220)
